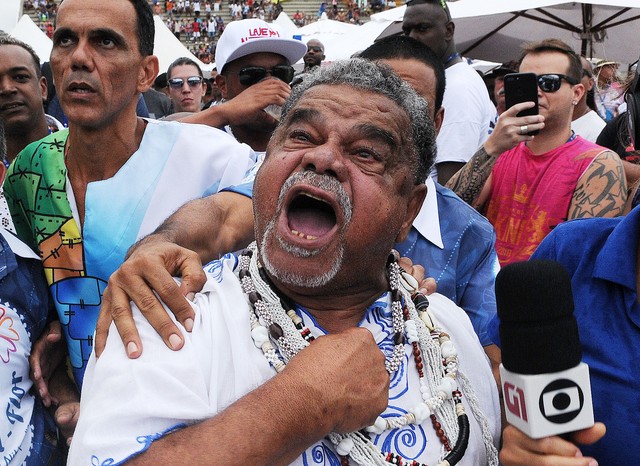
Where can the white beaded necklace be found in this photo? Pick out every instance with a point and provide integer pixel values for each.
(273, 321)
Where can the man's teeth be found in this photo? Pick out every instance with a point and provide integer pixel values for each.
(302, 235)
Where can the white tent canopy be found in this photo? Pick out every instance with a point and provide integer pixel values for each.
(326, 28)
(168, 48)
(495, 29)
(27, 31)
(286, 25)
(344, 46)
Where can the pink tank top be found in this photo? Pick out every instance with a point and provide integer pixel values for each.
(531, 194)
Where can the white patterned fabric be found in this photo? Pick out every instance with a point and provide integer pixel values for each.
(164, 390)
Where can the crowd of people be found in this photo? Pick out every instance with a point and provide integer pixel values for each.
(352, 219)
(199, 25)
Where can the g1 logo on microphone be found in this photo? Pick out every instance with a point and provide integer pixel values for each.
(561, 401)
(514, 400)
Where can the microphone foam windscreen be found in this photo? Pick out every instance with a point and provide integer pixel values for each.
(538, 330)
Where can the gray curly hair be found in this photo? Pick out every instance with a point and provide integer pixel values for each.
(380, 79)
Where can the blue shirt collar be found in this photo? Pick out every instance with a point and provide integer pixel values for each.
(618, 264)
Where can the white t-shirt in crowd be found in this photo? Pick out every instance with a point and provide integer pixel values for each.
(589, 126)
(469, 115)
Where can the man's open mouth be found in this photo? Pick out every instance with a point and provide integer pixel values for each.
(310, 217)
(80, 88)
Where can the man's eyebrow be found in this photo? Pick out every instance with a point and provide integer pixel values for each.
(18, 68)
(303, 115)
(375, 132)
(109, 33)
(62, 32)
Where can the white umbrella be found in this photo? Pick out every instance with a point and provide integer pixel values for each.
(495, 29)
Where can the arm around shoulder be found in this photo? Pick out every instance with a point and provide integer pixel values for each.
(211, 226)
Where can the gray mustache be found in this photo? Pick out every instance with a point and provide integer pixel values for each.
(324, 182)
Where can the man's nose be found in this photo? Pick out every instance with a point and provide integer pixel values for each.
(325, 159)
(81, 56)
(7, 85)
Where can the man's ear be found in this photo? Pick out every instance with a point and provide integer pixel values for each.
(148, 72)
(438, 119)
(42, 82)
(578, 92)
(416, 198)
(451, 29)
(221, 82)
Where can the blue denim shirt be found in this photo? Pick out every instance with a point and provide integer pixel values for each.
(465, 264)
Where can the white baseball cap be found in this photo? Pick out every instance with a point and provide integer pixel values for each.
(247, 36)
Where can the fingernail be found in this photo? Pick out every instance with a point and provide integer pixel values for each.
(188, 324)
(174, 341)
(131, 348)
(69, 441)
(41, 391)
(593, 462)
(191, 296)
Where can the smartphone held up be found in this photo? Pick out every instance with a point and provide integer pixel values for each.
(522, 87)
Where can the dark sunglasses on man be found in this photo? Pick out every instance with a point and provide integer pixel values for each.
(192, 81)
(253, 74)
(314, 48)
(551, 82)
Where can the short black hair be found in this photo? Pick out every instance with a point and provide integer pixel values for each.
(183, 61)
(6, 39)
(441, 3)
(145, 27)
(556, 45)
(408, 48)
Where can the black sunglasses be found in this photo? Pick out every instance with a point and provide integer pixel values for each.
(314, 48)
(192, 81)
(253, 74)
(552, 82)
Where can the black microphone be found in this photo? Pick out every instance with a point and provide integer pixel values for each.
(545, 384)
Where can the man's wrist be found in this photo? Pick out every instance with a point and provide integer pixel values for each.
(158, 236)
(489, 149)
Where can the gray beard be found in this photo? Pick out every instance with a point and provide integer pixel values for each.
(290, 277)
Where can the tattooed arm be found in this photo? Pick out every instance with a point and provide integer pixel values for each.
(602, 189)
(468, 183)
